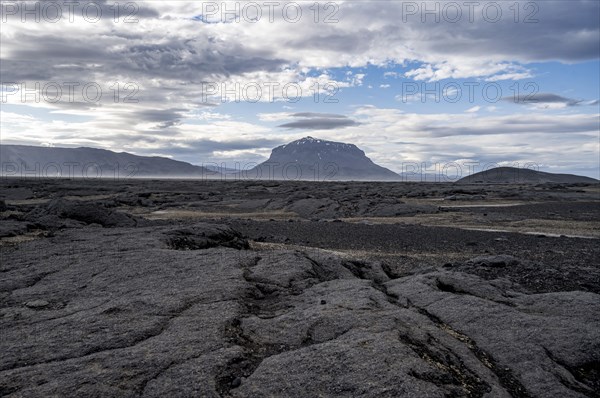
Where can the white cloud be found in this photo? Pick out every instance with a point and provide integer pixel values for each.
(212, 116)
(170, 57)
(274, 117)
(510, 76)
(537, 138)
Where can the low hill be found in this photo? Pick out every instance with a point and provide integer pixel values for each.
(33, 161)
(512, 175)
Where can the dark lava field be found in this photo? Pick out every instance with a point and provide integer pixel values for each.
(192, 288)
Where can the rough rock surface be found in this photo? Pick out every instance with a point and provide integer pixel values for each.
(105, 303)
(122, 313)
(203, 236)
(52, 214)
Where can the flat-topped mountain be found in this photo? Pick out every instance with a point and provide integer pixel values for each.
(33, 161)
(512, 175)
(314, 159)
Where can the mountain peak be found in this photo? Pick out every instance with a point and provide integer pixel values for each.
(309, 140)
(306, 140)
(315, 143)
(308, 157)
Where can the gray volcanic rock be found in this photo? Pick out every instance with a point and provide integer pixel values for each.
(84, 212)
(319, 160)
(23, 160)
(512, 175)
(37, 304)
(501, 260)
(203, 236)
(10, 228)
(307, 208)
(557, 360)
(182, 308)
(122, 314)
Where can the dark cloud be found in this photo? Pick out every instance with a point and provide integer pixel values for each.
(543, 98)
(209, 146)
(135, 66)
(157, 116)
(555, 31)
(190, 60)
(198, 151)
(92, 11)
(358, 42)
(60, 57)
(161, 119)
(322, 115)
(319, 121)
(517, 124)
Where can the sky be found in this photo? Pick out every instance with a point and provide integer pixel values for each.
(510, 83)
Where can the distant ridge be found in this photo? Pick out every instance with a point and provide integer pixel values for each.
(315, 159)
(512, 175)
(304, 159)
(34, 161)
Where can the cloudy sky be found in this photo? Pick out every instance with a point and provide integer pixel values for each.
(511, 83)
